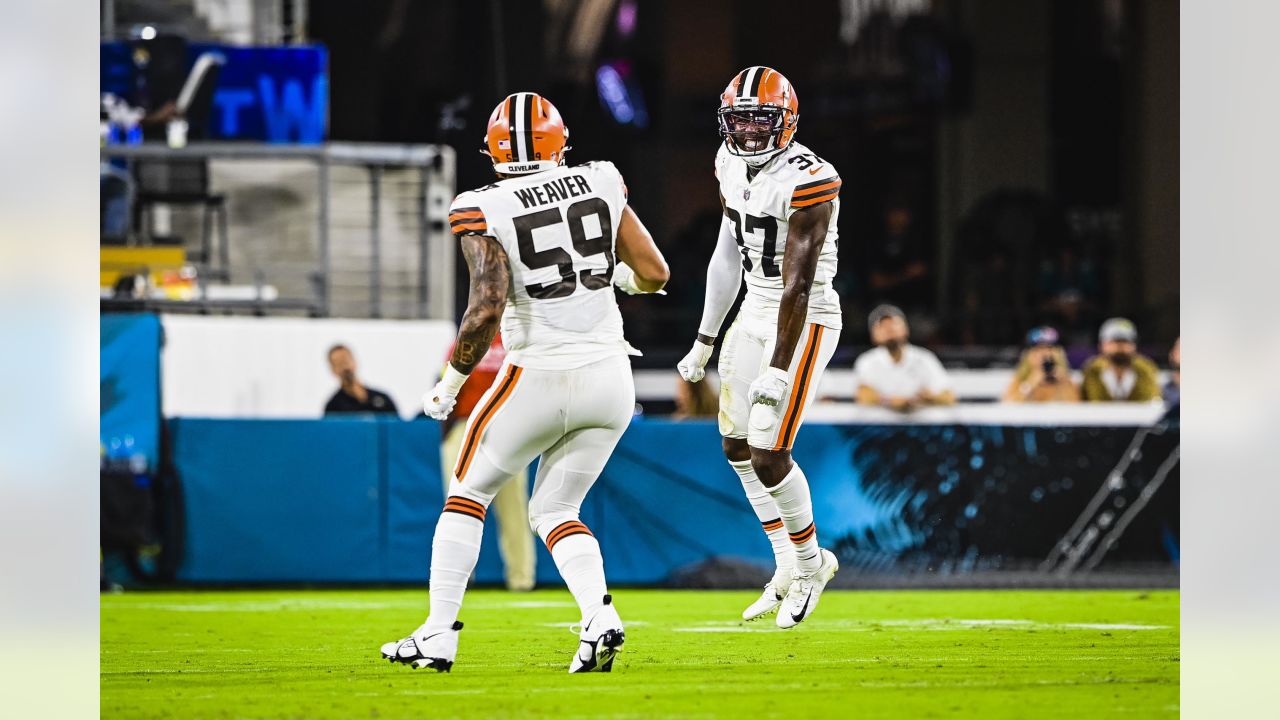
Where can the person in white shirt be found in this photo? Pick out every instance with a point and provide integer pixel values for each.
(896, 374)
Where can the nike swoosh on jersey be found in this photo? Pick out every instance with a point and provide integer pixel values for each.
(815, 170)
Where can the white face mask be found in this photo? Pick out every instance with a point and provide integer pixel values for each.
(750, 134)
(759, 161)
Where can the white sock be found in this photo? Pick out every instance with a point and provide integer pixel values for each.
(454, 551)
(577, 556)
(792, 496)
(769, 516)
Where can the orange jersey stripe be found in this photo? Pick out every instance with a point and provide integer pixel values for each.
(471, 442)
(814, 201)
(470, 227)
(465, 502)
(563, 532)
(804, 534)
(464, 510)
(813, 351)
(559, 530)
(804, 538)
(805, 191)
(808, 360)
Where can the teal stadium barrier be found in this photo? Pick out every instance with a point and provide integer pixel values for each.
(129, 386)
(356, 500)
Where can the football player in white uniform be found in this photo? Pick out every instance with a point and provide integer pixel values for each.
(545, 246)
(780, 206)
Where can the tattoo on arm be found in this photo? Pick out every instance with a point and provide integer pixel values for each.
(807, 232)
(490, 278)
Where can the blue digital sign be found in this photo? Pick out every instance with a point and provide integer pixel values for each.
(274, 94)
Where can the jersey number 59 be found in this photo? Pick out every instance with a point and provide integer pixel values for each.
(558, 257)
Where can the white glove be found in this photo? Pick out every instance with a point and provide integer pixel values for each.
(769, 388)
(439, 401)
(625, 280)
(691, 367)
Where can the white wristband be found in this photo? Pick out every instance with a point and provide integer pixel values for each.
(625, 278)
(778, 373)
(452, 379)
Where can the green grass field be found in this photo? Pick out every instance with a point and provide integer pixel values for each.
(314, 654)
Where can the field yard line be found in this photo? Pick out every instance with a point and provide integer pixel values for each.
(627, 623)
(193, 671)
(1111, 626)
(399, 691)
(929, 624)
(323, 604)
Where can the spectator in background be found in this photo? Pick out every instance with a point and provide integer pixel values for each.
(1043, 373)
(1119, 373)
(1173, 389)
(695, 400)
(515, 539)
(352, 395)
(896, 374)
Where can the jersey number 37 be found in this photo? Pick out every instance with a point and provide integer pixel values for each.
(769, 248)
(558, 257)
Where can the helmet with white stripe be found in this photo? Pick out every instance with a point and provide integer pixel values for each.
(525, 135)
(758, 114)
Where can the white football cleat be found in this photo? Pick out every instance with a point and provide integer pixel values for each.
(768, 601)
(600, 640)
(422, 650)
(802, 595)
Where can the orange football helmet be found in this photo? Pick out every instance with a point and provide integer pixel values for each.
(758, 114)
(525, 135)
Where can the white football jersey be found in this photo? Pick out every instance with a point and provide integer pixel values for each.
(559, 228)
(760, 209)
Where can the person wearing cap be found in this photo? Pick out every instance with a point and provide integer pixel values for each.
(1043, 373)
(1118, 373)
(896, 374)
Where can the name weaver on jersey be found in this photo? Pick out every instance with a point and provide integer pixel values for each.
(781, 203)
(545, 245)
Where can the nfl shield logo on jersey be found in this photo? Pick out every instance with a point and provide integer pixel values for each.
(746, 194)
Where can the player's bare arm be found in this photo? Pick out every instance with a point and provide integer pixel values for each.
(637, 249)
(808, 230)
(490, 279)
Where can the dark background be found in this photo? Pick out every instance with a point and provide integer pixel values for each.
(1025, 153)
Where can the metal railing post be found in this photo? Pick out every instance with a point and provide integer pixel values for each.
(322, 233)
(424, 247)
(438, 251)
(375, 241)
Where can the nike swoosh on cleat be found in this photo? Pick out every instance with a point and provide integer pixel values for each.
(803, 608)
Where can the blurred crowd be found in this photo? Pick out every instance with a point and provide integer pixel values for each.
(901, 376)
